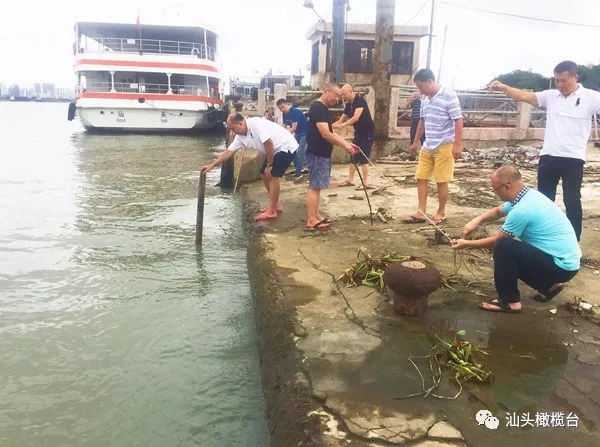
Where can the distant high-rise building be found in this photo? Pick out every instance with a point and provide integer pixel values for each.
(14, 90)
(48, 90)
(65, 93)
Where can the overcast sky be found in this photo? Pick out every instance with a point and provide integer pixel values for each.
(36, 35)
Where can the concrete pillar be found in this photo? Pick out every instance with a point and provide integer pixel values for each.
(369, 97)
(394, 105)
(337, 42)
(262, 100)
(524, 116)
(382, 71)
(280, 92)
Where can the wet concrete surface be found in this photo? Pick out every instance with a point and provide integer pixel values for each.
(353, 350)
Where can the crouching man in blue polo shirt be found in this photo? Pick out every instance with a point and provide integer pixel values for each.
(546, 255)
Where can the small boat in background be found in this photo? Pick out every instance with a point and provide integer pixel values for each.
(154, 78)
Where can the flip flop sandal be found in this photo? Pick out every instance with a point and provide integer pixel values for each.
(321, 225)
(439, 220)
(345, 183)
(502, 307)
(413, 220)
(554, 290)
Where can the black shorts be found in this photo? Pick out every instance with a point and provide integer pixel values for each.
(364, 140)
(281, 161)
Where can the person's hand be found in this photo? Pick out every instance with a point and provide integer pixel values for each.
(470, 228)
(412, 151)
(459, 244)
(497, 86)
(352, 148)
(456, 151)
(268, 172)
(336, 125)
(207, 168)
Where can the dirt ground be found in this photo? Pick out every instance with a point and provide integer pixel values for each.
(335, 359)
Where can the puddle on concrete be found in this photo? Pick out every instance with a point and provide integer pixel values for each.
(522, 386)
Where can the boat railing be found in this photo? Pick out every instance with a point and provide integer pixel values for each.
(127, 87)
(151, 46)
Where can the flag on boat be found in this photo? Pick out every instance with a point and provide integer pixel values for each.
(138, 24)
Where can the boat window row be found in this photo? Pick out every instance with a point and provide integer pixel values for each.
(146, 46)
(147, 82)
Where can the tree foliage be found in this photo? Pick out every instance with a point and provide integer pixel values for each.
(525, 80)
(589, 76)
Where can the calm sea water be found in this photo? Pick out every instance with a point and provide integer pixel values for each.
(114, 329)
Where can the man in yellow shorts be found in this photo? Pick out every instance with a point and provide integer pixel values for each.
(441, 121)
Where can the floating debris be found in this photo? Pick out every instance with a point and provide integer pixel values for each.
(368, 271)
(460, 357)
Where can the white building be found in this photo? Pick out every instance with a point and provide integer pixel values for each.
(359, 49)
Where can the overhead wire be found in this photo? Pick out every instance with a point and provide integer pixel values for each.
(520, 16)
(425, 3)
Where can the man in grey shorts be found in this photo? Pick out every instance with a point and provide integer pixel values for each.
(320, 139)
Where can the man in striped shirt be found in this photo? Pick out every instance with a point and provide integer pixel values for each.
(442, 122)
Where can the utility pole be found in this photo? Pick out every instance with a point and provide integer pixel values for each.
(339, 28)
(382, 70)
(430, 34)
(442, 56)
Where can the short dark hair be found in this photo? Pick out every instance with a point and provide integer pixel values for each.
(424, 75)
(566, 66)
(280, 101)
(237, 117)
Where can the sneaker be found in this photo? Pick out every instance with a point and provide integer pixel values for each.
(297, 178)
(305, 171)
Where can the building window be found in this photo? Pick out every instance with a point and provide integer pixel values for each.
(402, 57)
(358, 56)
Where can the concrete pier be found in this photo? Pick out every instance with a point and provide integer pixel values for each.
(334, 360)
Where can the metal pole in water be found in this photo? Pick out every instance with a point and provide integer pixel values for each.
(200, 207)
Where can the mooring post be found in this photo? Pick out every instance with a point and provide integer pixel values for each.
(200, 207)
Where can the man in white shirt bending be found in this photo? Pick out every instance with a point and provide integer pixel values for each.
(278, 145)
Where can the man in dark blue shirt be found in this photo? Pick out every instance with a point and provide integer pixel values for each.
(295, 121)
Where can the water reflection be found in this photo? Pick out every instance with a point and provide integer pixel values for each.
(115, 329)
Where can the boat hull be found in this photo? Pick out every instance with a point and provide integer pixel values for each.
(125, 119)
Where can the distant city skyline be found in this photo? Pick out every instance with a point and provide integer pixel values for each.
(271, 34)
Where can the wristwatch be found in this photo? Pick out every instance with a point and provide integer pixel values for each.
(269, 164)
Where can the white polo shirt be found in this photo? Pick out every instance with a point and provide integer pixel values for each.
(568, 121)
(260, 130)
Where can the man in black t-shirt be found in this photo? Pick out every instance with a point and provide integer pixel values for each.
(357, 114)
(320, 140)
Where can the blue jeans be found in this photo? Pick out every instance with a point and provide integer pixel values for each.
(300, 155)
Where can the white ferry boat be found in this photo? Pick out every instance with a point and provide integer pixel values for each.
(150, 77)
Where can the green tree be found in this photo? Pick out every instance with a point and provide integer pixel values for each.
(589, 76)
(525, 80)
